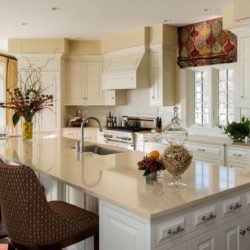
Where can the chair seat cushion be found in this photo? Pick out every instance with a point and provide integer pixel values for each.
(79, 221)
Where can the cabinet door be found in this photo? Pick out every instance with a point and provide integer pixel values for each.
(75, 83)
(231, 237)
(244, 72)
(49, 118)
(92, 92)
(119, 230)
(206, 241)
(155, 77)
(180, 247)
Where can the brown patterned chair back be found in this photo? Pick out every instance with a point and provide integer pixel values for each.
(27, 215)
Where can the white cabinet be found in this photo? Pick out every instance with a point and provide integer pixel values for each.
(84, 83)
(243, 73)
(238, 157)
(162, 75)
(122, 230)
(114, 97)
(207, 152)
(234, 235)
(49, 65)
(205, 241)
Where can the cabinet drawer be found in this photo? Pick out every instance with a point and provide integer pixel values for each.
(237, 164)
(170, 230)
(206, 150)
(204, 217)
(238, 154)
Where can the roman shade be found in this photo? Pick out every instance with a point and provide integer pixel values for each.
(206, 43)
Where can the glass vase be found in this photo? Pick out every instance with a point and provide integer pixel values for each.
(27, 132)
(176, 181)
(151, 178)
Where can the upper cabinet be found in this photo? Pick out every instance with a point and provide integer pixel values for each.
(162, 75)
(243, 72)
(242, 10)
(50, 65)
(83, 83)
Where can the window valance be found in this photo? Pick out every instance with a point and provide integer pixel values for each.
(206, 43)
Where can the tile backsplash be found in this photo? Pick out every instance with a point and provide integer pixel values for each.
(137, 105)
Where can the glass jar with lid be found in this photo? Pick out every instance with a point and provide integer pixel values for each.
(176, 157)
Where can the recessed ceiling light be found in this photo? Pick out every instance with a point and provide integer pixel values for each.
(207, 9)
(168, 20)
(23, 24)
(55, 8)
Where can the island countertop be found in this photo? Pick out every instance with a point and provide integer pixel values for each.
(115, 178)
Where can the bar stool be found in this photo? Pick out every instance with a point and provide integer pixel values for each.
(32, 223)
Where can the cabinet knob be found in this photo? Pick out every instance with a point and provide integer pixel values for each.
(153, 97)
(242, 96)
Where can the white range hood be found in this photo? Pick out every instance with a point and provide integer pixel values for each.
(126, 69)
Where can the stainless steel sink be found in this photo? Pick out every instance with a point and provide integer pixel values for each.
(99, 150)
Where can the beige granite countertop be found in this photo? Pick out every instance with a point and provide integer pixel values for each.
(115, 178)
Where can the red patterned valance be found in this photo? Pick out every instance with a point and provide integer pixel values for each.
(206, 43)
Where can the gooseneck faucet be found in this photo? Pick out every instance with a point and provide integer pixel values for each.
(80, 144)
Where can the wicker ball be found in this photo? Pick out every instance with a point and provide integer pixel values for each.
(176, 159)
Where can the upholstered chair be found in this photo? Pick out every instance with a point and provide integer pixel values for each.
(34, 223)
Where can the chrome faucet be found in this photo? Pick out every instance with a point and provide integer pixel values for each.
(80, 144)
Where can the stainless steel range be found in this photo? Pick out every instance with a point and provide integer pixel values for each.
(125, 136)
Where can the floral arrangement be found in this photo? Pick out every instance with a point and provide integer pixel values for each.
(151, 163)
(29, 97)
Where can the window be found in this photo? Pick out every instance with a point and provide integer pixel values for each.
(201, 98)
(225, 96)
(2, 94)
(208, 96)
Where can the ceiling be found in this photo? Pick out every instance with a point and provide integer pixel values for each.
(92, 19)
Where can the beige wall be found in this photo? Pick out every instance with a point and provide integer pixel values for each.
(84, 47)
(228, 18)
(241, 9)
(37, 46)
(163, 33)
(123, 40)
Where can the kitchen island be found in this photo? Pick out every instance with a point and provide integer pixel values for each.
(212, 212)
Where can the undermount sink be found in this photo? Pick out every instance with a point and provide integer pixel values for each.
(99, 150)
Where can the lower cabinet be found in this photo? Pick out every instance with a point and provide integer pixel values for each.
(205, 241)
(222, 224)
(235, 235)
(122, 230)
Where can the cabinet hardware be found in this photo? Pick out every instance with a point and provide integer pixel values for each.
(242, 232)
(209, 217)
(235, 206)
(178, 229)
(201, 149)
(237, 154)
(248, 228)
(242, 96)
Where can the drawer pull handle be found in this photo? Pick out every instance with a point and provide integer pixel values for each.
(237, 154)
(207, 218)
(242, 232)
(201, 150)
(178, 229)
(234, 207)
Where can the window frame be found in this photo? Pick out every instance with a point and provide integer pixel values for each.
(3, 119)
(187, 95)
